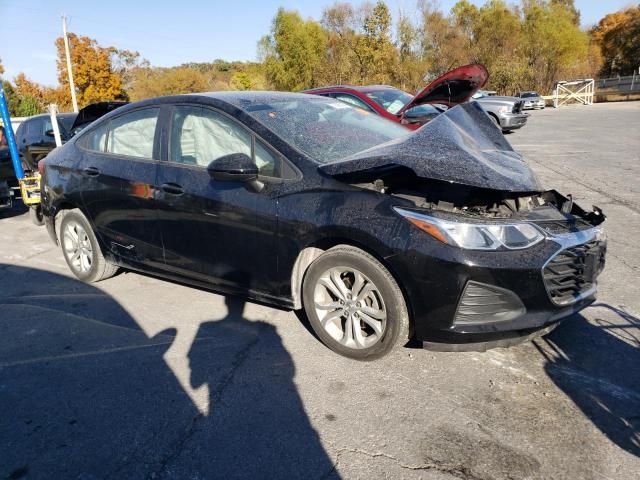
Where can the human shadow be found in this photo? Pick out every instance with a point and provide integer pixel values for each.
(86, 392)
(596, 365)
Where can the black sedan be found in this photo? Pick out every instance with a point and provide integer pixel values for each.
(381, 235)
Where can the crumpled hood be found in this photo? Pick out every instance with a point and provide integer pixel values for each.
(460, 146)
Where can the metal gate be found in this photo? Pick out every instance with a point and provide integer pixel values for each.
(574, 91)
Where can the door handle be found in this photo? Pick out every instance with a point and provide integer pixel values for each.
(172, 189)
(91, 171)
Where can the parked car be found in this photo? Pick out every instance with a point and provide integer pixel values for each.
(380, 234)
(452, 88)
(7, 178)
(506, 112)
(532, 100)
(34, 136)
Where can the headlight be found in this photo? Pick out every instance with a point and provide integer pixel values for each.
(476, 236)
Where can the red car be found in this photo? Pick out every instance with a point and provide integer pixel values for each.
(454, 87)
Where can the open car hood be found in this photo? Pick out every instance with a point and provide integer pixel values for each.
(461, 146)
(93, 112)
(454, 87)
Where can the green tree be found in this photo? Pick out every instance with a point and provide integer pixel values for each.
(375, 49)
(553, 46)
(28, 106)
(293, 52)
(241, 81)
(13, 100)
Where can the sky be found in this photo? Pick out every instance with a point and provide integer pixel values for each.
(169, 34)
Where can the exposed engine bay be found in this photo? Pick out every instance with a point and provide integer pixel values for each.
(442, 197)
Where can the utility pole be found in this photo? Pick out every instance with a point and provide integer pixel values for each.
(69, 69)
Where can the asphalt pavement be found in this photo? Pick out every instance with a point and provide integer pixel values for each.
(137, 377)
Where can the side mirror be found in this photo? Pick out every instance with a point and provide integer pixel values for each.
(236, 167)
(49, 133)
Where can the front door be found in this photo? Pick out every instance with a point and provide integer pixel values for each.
(119, 183)
(216, 232)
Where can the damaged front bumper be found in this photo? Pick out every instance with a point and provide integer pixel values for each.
(474, 300)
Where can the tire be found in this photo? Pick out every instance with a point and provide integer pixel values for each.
(35, 214)
(81, 250)
(366, 327)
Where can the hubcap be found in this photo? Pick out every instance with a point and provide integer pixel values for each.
(77, 247)
(350, 307)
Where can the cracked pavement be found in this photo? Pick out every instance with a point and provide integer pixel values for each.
(137, 377)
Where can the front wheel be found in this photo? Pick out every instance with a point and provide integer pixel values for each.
(354, 304)
(81, 250)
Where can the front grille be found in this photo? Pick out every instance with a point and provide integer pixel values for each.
(517, 107)
(573, 271)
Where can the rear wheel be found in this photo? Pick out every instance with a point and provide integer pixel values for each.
(354, 304)
(81, 250)
(35, 214)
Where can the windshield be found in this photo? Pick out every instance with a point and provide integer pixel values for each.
(325, 129)
(390, 99)
(528, 94)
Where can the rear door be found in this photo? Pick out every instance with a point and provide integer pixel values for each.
(119, 167)
(214, 231)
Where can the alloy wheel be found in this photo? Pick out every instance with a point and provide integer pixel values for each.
(77, 247)
(350, 307)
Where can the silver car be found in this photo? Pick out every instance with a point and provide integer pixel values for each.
(532, 100)
(506, 112)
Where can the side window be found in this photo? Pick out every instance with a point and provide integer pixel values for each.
(351, 100)
(268, 164)
(96, 139)
(45, 125)
(132, 134)
(199, 136)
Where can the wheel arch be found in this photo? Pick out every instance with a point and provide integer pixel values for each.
(312, 251)
(59, 211)
(494, 116)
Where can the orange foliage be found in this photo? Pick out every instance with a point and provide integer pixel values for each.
(93, 72)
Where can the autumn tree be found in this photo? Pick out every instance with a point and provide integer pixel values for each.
(293, 51)
(94, 71)
(554, 47)
(411, 67)
(618, 36)
(375, 49)
(339, 23)
(156, 82)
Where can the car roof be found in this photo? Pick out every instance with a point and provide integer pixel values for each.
(240, 100)
(42, 115)
(357, 88)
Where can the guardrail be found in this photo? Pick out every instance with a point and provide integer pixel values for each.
(627, 83)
